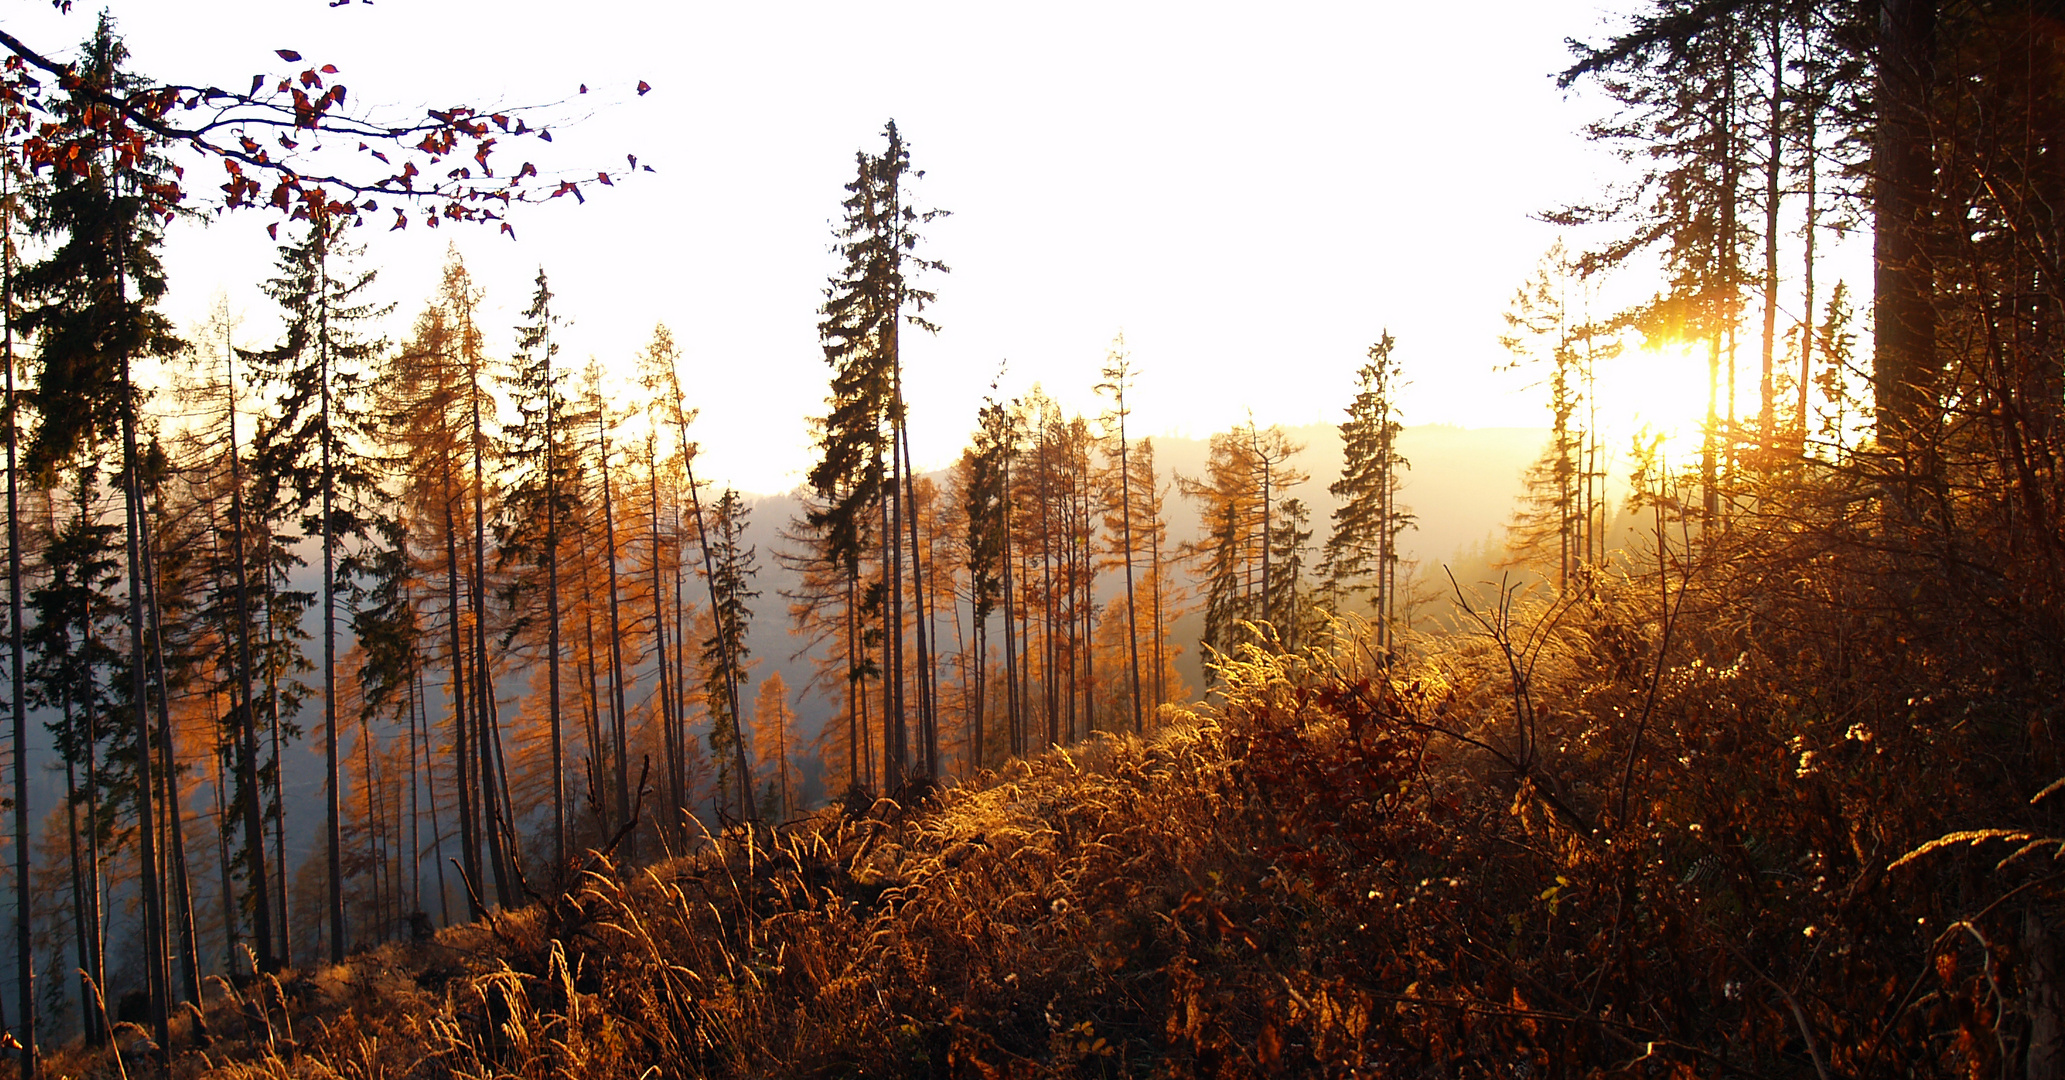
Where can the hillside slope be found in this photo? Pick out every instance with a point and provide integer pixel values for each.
(1618, 867)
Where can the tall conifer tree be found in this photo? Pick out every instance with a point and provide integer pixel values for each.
(865, 309)
(92, 310)
(1362, 551)
(536, 507)
(316, 449)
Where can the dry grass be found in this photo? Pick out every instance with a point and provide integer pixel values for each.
(1609, 871)
(1063, 917)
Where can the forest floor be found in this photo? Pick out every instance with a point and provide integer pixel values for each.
(1091, 911)
(1635, 862)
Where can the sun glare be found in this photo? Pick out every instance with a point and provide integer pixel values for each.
(1658, 391)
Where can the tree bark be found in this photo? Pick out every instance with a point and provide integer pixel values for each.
(1903, 367)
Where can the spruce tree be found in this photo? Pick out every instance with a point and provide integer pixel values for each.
(10, 418)
(1362, 551)
(314, 450)
(91, 306)
(74, 670)
(983, 510)
(865, 309)
(537, 504)
(733, 564)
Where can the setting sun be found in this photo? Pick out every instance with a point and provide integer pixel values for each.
(1659, 389)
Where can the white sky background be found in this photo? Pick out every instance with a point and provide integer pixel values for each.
(1250, 193)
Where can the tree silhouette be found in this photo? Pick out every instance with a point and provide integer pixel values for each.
(314, 450)
(865, 310)
(91, 332)
(1362, 551)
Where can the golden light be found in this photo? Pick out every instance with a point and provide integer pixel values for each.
(1658, 391)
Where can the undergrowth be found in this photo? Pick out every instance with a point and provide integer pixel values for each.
(1654, 828)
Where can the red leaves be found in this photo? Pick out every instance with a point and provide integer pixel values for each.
(244, 131)
(273, 230)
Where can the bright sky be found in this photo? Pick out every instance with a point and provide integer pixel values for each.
(1252, 193)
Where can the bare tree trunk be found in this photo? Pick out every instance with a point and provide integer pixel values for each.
(928, 713)
(494, 802)
(1126, 541)
(251, 806)
(279, 818)
(1048, 653)
(437, 833)
(156, 978)
(616, 643)
(552, 624)
(598, 750)
(856, 690)
(24, 952)
(676, 753)
(1810, 155)
(231, 938)
(415, 848)
(175, 824)
(1903, 373)
(462, 743)
(892, 629)
(1013, 734)
(2043, 999)
(1774, 163)
(335, 796)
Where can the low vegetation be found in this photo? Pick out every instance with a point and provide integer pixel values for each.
(1743, 813)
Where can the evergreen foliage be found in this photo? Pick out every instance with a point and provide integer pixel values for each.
(1362, 551)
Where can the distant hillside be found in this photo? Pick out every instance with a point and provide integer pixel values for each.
(1461, 486)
